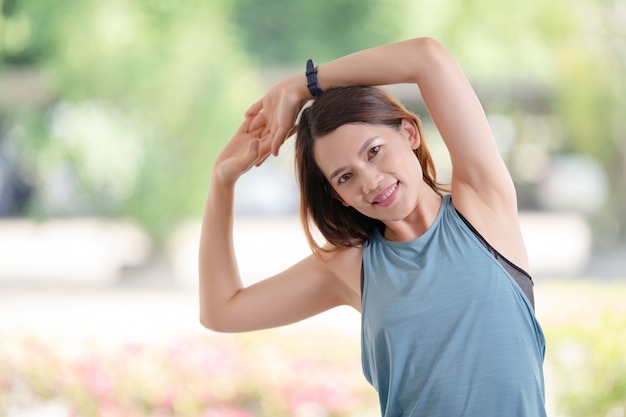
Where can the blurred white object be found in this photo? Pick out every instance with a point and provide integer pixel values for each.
(43, 409)
(558, 244)
(573, 183)
(264, 246)
(74, 251)
(267, 191)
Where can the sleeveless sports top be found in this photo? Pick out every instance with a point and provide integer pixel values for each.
(446, 331)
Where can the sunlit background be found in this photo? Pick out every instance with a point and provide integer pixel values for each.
(111, 113)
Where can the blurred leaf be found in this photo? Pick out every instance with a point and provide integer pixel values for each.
(289, 32)
(170, 81)
(143, 96)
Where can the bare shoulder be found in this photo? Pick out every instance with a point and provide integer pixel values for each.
(344, 265)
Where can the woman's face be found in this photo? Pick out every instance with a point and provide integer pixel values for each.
(372, 168)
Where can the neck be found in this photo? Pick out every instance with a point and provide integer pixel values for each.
(418, 222)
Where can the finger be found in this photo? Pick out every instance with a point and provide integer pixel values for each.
(266, 142)
(253, 149)
(252, 157)
(257, 133)
(245, 126)
(276, 144)
(267, 133)
(279, 134)
(255, 108)
(233, 167)
(258, 120)
(293, 131)
(264, 153)
(261, 160)
(282, 133)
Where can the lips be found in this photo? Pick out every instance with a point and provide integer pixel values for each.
(385, 194)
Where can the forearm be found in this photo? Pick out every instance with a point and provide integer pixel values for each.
(450, 99)
(422, 61)
(219, 274)
(408, 61)
(305, 289)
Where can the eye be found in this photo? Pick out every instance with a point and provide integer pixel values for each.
(345, 177)
(373, 151)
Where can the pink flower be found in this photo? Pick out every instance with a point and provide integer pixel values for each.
(226, 411)
(95, 378)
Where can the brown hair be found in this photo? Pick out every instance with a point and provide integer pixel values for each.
(339, 225)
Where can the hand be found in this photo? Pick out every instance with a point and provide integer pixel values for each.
(278, 110)
(247, 148)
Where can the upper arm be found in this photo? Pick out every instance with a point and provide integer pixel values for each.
(479, 173)
(451, 102)
(482, 188)
(307, 288)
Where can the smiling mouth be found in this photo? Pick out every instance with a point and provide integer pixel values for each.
(385, 194)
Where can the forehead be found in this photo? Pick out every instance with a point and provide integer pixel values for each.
(342, 145)
(340, 140)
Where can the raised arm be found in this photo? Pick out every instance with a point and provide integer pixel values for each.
(451, 102)
(481, 185)
(305, 289)
(449, 97)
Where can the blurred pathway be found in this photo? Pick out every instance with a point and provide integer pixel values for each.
(121, 315)
(92, 281)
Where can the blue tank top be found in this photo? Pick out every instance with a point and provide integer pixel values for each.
(446, 331)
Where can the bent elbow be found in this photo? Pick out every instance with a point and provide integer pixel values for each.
(430, 48)
(210, 322)
(427, 43)
(206, 323)
(216, 323)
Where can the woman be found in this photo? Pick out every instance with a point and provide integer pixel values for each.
(448, 327)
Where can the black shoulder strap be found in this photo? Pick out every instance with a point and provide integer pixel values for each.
(362, 279)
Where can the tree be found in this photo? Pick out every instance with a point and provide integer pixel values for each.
(139, 98)
(285, 32)
(128, 101)
(560, 62)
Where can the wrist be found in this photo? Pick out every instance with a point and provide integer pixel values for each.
(297, 86)
(312, 83)
(221, 195)
(222, 177)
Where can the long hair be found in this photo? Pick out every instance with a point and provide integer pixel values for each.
(319, 208)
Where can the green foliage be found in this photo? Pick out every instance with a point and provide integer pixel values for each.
(142, 97)
(127, 102)
(139, 96)
(289, 32)
(496, 41)
(564, 60)
(590, 100)
(589, 361)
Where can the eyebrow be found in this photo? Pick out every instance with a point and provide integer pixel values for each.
(362, 149)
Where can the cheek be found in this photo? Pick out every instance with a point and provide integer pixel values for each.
(407, 169)
(343, 197)
(403, 161)
(410, 160)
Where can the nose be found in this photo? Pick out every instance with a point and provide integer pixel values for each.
(370, 180)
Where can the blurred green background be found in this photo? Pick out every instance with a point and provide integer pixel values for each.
(114, 110)
(117, 108)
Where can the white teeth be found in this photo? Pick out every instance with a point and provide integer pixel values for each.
(388, 193)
